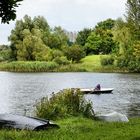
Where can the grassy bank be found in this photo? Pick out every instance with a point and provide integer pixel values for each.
(79, 128)
(88, 64)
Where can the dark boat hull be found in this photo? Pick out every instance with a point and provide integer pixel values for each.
(24, 123)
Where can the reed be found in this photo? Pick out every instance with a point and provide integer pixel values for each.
(28, 66)
(68, 102)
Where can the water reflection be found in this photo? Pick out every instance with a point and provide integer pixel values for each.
(19, 91)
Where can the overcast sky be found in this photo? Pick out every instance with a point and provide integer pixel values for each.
(72, 15)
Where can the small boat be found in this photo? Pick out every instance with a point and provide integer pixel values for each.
(93, 91)
(25, 123)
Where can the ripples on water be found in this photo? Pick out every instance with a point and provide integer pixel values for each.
(20, 91)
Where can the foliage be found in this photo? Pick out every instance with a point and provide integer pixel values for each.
(133, 17)
(105, 25)
(122, 35)
(127, 34)
(69, 102)
(136, 47)
(100, 40)
(107, 60)
(5, 53)
(74, 53)
(57, 38)
(23, 66)
(100, 43)
(7, 10)
(82, 36)
(74, 67)
(27, 39)
(61, 60)
(32, 39)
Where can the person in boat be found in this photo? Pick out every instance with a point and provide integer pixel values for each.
(98, 87)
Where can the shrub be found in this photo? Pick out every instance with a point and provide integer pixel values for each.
(107, 60)
(1, 59)
(74, 53)
(68, 102)
(134, 65)
(61, 60)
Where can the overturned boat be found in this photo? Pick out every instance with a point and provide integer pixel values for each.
(93, 91)
(25, 123)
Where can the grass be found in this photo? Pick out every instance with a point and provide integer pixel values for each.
(79, 128)
(87, 64)
(92, 63)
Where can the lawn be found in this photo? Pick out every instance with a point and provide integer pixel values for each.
(79, 128)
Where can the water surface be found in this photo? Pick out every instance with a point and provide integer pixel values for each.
(20, 91)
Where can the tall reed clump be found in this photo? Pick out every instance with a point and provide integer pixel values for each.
(68, 102)
(30, 66)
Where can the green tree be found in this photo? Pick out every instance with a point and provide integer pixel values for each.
(32, 47)
(74, 53)
(100, 39)
(7, 10)
(82, 36)
(122, 35)
(27, 39)
(105, 25)
(5, 53)
(133, 17)
(100, 43)
(57, 38)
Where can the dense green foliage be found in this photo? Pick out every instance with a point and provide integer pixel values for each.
(127, 34)
(5, 53)
(34, 40)
(133, 17)
(100, 43)
(98, 40)
(82, 36)
(78, 128)
(107, 60)
(74, 53)
(8, 10)
(68, 102)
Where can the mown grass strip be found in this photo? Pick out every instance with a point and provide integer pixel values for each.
(79, 128)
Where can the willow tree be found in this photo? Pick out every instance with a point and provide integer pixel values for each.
(28, 39)
(133, 17)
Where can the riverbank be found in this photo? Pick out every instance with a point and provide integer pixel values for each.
(88, 64)
(79, 128)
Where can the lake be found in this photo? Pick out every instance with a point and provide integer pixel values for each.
(21, 91)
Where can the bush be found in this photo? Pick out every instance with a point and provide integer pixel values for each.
(107, 60)
(75, 53)
(61, 60)
(69, 102)
(1, 59)
(134, 65)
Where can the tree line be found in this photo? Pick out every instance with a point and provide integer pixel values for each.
(34, 40)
